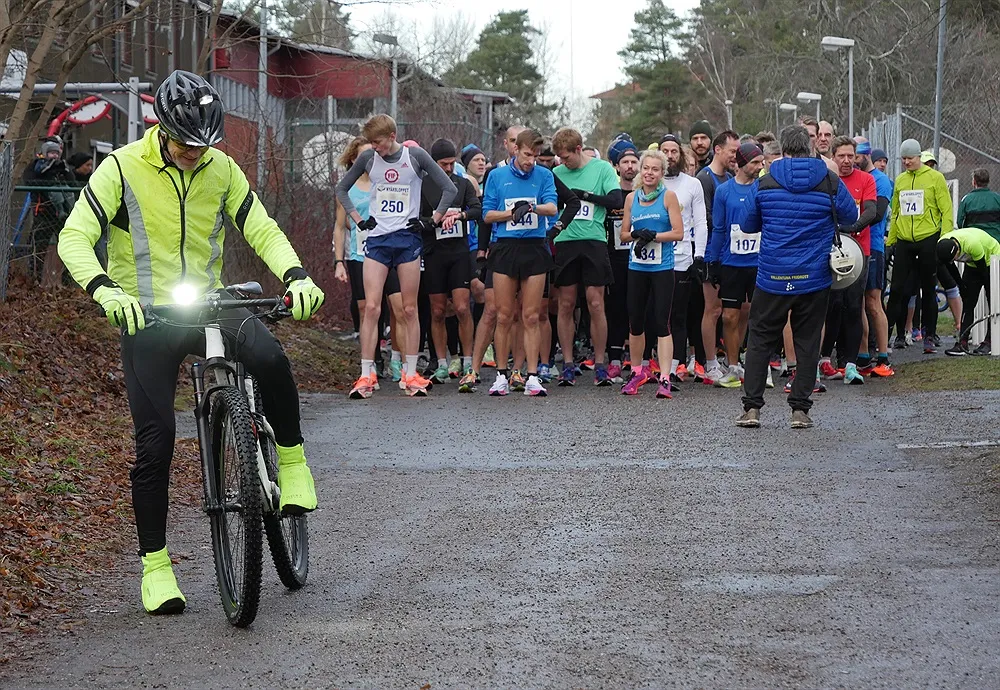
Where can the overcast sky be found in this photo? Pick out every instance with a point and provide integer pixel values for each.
(599, 29)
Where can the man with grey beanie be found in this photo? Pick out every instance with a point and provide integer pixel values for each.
(921, 213)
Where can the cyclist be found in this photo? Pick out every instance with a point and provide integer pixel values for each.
(163, 200)
(394, 230)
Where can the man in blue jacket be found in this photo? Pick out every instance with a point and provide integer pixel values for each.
(797, 209)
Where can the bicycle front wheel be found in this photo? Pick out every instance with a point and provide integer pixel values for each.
(287, 535)
(236, 517)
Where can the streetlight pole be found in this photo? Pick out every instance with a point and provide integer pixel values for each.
(390, 40)
(774, 102)
(729, 112)
(939, 86)
(790, 108)
(835, 43)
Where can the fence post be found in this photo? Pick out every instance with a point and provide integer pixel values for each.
(995, 305)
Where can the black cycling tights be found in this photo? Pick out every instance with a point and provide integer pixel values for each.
(644, 286)
(151, 360)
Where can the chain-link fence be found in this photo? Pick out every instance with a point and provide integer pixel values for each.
(6, 228)
(967, 139)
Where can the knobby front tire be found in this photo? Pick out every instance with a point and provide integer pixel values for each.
(236, 528)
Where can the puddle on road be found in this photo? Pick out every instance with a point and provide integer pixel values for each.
(761, 584)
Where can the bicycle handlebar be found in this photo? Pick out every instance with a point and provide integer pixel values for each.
(279, 305)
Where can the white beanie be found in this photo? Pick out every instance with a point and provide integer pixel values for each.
(910, 147)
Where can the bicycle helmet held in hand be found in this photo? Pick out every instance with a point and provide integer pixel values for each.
(189, 109)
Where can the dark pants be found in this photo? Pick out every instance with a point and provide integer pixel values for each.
(768, 315)
(679, 313)
(616, 308)
(974, 279)
(843, 321)
(914, 264)
(151, 360)
(695, 312)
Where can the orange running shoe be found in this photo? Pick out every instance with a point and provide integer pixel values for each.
(654, 368)
(416, 386)
(364, 387)
(883, 371)
(699, 372)
(682, 371)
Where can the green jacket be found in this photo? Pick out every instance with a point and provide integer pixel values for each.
(975, 246)
(166, 226)
(980, 208)
(921, 206)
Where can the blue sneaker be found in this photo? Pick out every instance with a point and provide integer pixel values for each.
(601, 376)
(396, 369)
(568, 377)
(544, 374)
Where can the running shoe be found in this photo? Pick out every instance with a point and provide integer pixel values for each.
(544, 374)
(959, 349)
(568, 376)
(866, 370)
(909, 338)
(516, 381)
(929, 348)
(663, 390)
(712, 375)
(699, 372)
(489, 358)
(775, 362)
(899, 343)
(918, 335)
(533, 387)
(801, 420)
(601, 376)
(820, 387)
(500, 387)
(750, 419)
(417, 386)
(615, 373)
(674, 381)
(731, 379)
(440, 375)
(364, 387)
(626, 364)
(852, 376)
(983, 349)
(827, 370)
(883, 370)
(788, 383)
(468, 383)
(587, 364)
(681, 373)
(423, 361)
(769, 381)
(455, 368)
(396, 369)
(654, 368)
(639, 378)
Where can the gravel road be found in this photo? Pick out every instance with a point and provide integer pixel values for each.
(588, 540)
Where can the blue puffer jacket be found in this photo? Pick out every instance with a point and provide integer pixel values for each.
(792, 211)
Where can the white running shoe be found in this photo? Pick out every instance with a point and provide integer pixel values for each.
(532, 387)
(713, 375)
(769, 382)
(500, 386)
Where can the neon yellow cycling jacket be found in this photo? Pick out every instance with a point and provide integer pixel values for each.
(167, 226)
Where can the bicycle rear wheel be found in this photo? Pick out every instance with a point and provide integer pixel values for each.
(237, 518)
(287, 535)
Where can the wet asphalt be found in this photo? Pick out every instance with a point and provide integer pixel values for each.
(587, 540)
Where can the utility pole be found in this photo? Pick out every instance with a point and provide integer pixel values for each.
(939, 86)
(261, 100)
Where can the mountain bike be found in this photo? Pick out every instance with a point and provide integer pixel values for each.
(239, 459)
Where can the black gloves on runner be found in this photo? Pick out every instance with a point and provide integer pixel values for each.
(644, 236)
(554, 230)
(368, 223)
(420, 225)
(699, 270)
(715, 273)
(581, 194)
(520, 210)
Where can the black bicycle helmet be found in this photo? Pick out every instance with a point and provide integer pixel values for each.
(189, 109)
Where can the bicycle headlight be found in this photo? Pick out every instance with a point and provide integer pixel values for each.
(185, 294)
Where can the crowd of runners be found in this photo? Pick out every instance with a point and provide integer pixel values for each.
(642, 264)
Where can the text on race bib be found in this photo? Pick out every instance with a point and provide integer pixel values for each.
(529, 222)
(650, 255)
(684, 248)
(617, 232)
(741, 242)
(586, 211)
(392, 201)
(360, 240)
(911, 202)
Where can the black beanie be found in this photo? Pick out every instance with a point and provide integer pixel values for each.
(443, 148)
(701, 127)
(470, 152)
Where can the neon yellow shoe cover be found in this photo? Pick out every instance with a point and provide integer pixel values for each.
(160, 593)
(298, 492)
